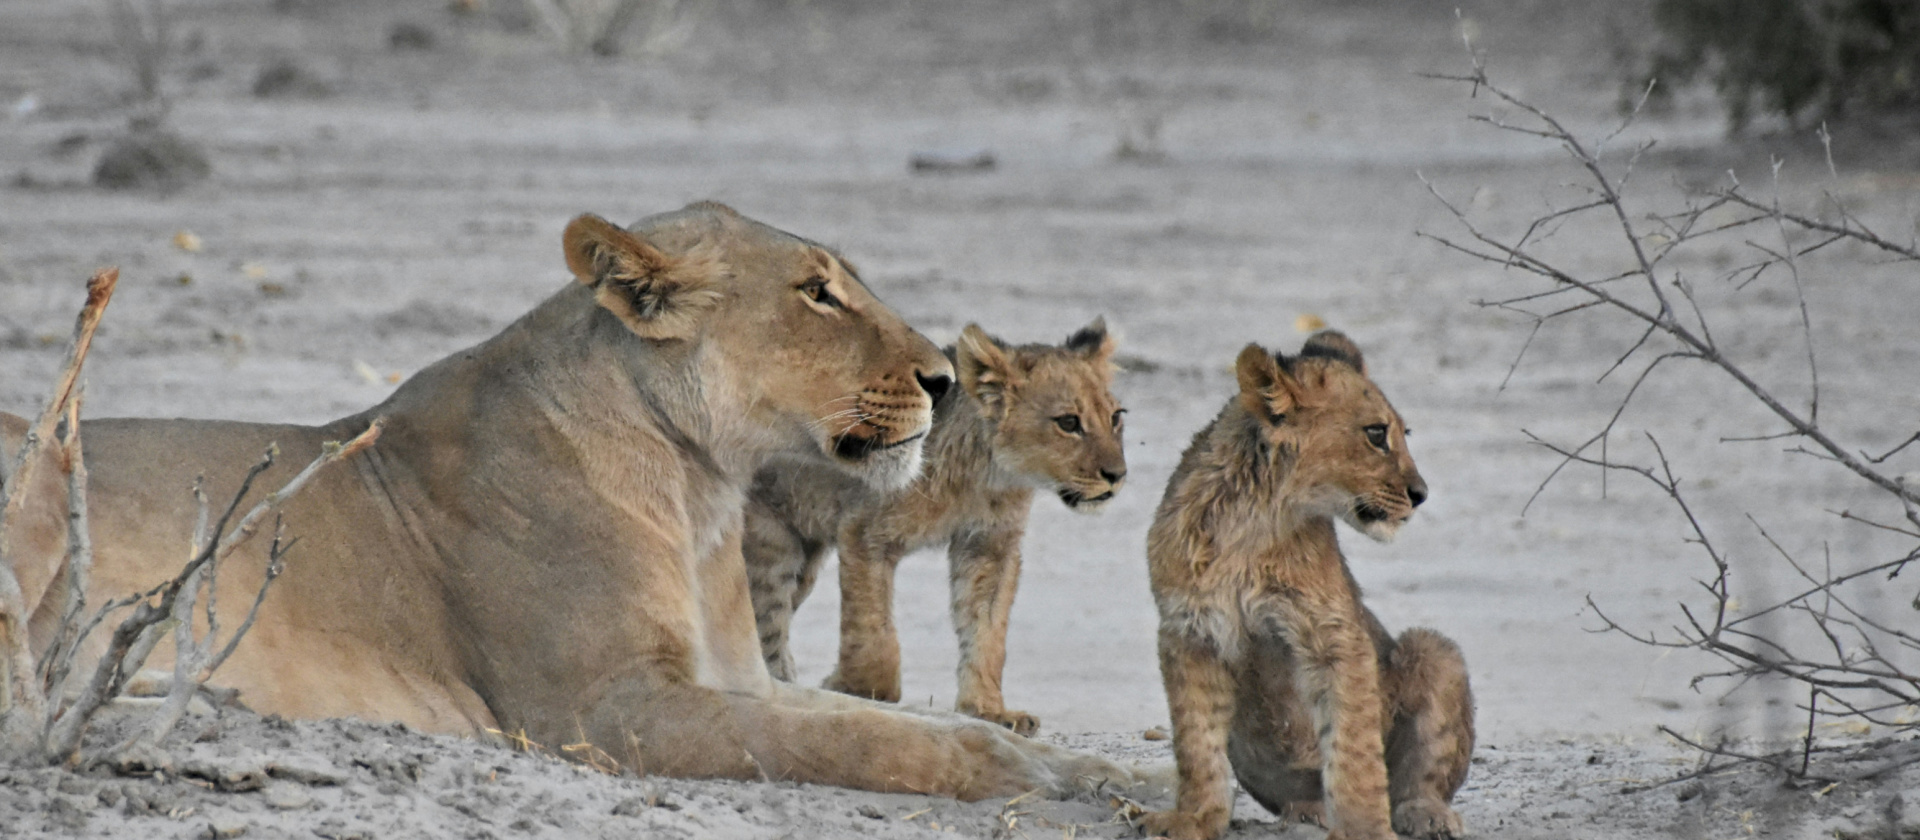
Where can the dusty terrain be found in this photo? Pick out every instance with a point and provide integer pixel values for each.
(405, 203)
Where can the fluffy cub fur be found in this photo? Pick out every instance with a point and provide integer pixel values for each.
(1271, 662)
(1033, 416)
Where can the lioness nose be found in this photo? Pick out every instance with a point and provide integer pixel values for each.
(1417, 492)
(1113, 476)
(936, 385)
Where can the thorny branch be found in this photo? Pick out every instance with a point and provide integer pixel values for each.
(1854, 666)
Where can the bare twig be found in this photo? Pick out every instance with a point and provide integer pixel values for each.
(1846, 658)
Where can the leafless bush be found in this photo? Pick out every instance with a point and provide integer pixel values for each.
(596, 26)
(142, 38)
(47, 707)
(1849, 663)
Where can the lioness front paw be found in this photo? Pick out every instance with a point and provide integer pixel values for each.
(1427, 819)
(1181, 825)
(1020, 722)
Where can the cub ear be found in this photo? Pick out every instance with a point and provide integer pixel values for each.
(657, 296)
(1092, 341)
(985, 367)
(1333, 344)
(1266, 389)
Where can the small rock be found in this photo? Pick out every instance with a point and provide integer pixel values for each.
(870, 812)
(407, 35)
(631, 806)
(1158, 733)
(307, 770)
(285, 78)
(952, 160)
(287, 796)
(229, 775)
(222, 828)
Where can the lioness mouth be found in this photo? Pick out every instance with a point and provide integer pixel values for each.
(858, 448)
(1075, 498)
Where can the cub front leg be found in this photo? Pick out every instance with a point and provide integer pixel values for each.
(869, 663)
(1200, 698)
(1338, 677)
(985, 573)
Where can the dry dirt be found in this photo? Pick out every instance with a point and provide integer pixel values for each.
(386, 207)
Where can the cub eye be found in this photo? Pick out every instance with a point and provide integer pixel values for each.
(816, 290)
(1116, 418)
(1377, 435)
(1069, 423)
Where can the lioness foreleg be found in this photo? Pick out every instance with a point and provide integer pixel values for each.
(807, 735)
(985, 572)
(1431, 743)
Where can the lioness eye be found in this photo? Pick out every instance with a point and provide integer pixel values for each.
(1069, 423)
(816, 291)
(1116, 419)
(1377, 435)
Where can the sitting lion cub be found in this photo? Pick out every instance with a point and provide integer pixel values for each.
(1271, 662)
(1024, 417)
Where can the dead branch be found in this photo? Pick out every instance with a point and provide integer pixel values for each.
(26, 700)
(197, 656)
(1845, 656)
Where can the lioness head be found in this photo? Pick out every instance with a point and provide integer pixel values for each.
(1056, 421)
(800, 351)
(1348, 445)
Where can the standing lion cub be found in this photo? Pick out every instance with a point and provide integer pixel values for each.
(1025, 417)
(1271, 662)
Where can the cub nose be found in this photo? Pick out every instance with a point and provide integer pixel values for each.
(1113, 476)
(1417, 492)
(936, 385)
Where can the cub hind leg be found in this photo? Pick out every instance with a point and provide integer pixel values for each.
(1430, 742)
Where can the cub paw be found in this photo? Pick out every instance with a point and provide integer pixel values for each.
(1020, 722)
(1427, 819)
(1180, 825)
(1304, 812)
(870, 689)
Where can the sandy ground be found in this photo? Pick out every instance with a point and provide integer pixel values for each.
(350, 238)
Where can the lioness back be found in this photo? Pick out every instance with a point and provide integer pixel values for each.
(1026, 417)
(1273, 666)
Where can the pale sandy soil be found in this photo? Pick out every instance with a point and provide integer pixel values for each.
(351, 239)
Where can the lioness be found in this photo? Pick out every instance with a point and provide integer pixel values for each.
(1270, 660)
(546, 539)
(1030, 416)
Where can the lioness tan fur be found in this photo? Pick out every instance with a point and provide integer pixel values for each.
(546, 539)
(1031, 416)
(1271, 662)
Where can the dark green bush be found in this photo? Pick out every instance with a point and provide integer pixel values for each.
(1800, 59)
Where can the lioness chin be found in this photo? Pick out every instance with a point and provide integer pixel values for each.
(546, 539)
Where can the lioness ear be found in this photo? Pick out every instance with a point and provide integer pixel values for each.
(655, 295)
(1266, 389)
(985, 368)
(1333, 344)
(1092, 341)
